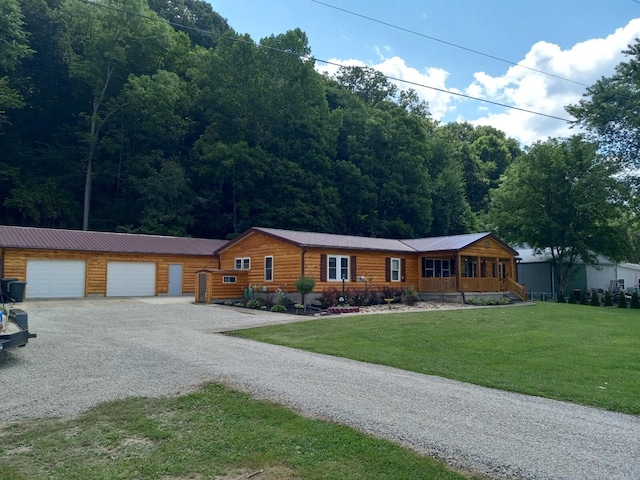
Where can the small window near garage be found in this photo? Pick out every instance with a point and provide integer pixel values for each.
(268, 269)
(229, 279)
(243, 263)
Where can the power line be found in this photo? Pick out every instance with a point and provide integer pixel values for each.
(451, 44)
(266, 47)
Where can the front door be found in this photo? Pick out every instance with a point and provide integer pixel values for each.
(175, 280)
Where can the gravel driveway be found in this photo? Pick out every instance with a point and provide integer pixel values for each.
(91, 351)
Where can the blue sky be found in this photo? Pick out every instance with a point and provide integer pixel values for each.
(577, 40)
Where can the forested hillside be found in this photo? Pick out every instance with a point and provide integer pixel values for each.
(156, 117)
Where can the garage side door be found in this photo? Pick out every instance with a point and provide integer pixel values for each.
(131, 279)
(55, 278)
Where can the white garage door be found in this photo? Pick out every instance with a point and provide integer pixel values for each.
(131, 279)
(55, 278)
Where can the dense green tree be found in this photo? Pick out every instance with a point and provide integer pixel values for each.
(196, 18)
(368, 84)
(137, 127)
(484, 154)
(564, 198)
(13, 48)
(609, 110)
(107, 42)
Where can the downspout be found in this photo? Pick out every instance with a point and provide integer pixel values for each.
(2, 264)
(304, 250)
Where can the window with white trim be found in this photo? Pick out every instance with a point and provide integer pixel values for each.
(243, 263)
(268, 269)
(229, 279)
(337, 268)
(433, 267)
(395, 269)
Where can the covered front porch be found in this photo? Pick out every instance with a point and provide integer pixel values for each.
(466, 273)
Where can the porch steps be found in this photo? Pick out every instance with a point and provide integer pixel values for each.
(513, 298)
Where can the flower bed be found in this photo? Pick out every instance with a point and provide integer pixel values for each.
(343, 309)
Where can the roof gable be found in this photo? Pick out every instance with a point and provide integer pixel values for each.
(57, 239)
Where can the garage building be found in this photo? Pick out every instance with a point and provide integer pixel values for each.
(72, 263)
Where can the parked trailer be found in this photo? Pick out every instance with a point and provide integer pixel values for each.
(14, 330)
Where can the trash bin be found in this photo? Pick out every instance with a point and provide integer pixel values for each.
(16, 291)
(4, 284)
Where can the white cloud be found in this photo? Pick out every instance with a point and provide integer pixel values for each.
(584, 63)
(524, 88)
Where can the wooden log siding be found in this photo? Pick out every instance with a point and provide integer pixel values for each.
(15, 266)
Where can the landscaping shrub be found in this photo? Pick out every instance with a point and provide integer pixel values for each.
(362, 296)
(571, 299)
(635, 300)
(410, 296)
(561, 299)
(583, 298)
(392, 292)
(329, 297)
(280, 297)
(608, 302)
(595, 299)
(622, 300)
(253, 303)
(278, 308)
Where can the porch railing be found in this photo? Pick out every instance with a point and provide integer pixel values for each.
(472, 284)
(517, 289)
(438, 284)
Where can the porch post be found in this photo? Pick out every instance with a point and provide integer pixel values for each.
(479, 273)
(459, 272)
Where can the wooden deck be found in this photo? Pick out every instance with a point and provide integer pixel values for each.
(472, 284)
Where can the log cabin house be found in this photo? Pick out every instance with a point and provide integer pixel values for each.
(58, 263)
(445, 268)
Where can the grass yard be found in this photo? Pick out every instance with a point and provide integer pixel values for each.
(213, 433)
(582, 354)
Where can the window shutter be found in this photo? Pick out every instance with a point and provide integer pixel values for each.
(403, 269)
(387, 268)
(354, 269)
(323, 268)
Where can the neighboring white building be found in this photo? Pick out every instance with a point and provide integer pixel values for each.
(536, 273)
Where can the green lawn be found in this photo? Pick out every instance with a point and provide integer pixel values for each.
(213, 433)
(582, 354)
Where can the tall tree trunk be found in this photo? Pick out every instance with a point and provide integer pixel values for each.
(93, 140)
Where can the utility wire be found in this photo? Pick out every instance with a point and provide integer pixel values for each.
(451, 44)
(266, 47)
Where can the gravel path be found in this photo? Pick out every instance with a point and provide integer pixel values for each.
(91, 351)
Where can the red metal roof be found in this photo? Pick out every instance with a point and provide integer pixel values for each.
(330, 240)
(55, 239)
(350, 242)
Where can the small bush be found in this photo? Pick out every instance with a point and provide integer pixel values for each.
(278, 308)
(561, 299)
(622, 300)
(583, 298)
(362, 296)
(608, 301)
(253, 303)
(410, 296)
(280, 297)
(595, 299)
(329, 297)
(392, 292)
(635, 300)
(572, 299)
